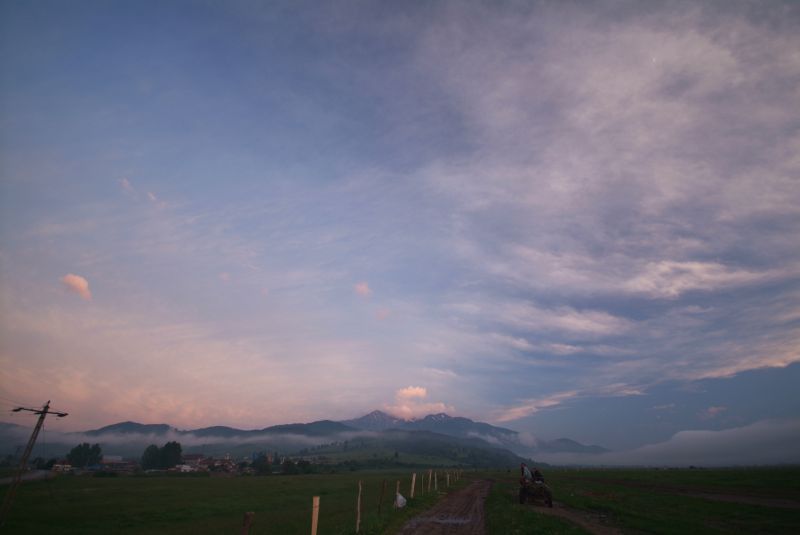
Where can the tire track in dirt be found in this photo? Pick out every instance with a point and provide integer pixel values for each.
(460, 513)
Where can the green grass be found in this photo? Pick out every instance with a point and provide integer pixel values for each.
(778, 482)
(505, 515)
(649, 500)
(171, 505)
(639, 501)
(8, 472)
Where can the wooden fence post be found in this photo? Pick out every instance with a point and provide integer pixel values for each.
(448, 479)
(358, 508)
(413, 484)
(314, 515)
(248, 521)
(396, 493)
(430, 478)
(436, 481)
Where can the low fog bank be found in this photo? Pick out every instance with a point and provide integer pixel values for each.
(188, 439)
(767, 442)
(132, 444)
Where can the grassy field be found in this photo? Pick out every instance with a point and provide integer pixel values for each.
(755, 500)
(180, 505)
(505, 516)
(636, 501)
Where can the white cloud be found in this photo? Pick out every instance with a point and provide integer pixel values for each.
(528, 316)
(671, 279)
(158, 203)
(530, 406)
(78, 285)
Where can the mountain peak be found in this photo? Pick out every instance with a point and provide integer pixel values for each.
(376, 421)
(439, 417)
(376, 414)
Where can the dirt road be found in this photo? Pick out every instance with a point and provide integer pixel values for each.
(461, 513)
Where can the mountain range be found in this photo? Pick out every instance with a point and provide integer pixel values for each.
(446, 439)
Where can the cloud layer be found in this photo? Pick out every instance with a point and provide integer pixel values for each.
(506, 210)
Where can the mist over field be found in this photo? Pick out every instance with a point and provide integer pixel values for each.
(770, 442)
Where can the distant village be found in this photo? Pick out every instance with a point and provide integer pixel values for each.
(170, 460)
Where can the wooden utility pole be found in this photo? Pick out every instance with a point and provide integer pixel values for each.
(12, 491)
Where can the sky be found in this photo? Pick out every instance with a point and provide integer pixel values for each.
(574, 219)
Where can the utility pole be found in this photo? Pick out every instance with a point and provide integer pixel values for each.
(12, 490)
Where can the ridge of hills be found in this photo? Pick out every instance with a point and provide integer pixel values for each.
(433, 439)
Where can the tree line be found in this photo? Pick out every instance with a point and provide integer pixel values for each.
(163, 458)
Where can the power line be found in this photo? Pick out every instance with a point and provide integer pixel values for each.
(14, 402)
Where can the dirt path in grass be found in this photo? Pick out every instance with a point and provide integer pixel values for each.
(592, 522)
(461, 513)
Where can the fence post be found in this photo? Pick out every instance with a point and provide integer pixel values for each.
(413, 484)
(358, 508)
(430, 478)
(436, 481)
(248, 521)
(396, 493)
(448, 479)
(314, 515)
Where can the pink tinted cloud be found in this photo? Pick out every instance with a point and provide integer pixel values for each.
(78, 285)
(410, 392)
(362, 289)
(711, 412)
(382, 313)
(126, 186)
(410, 403)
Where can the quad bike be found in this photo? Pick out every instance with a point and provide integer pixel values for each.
(530, 490)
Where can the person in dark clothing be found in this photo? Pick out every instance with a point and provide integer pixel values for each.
(531, 485)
